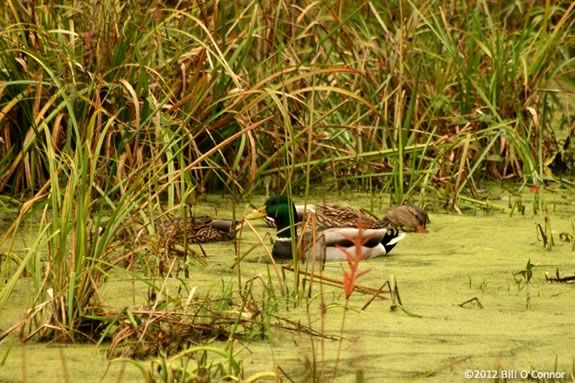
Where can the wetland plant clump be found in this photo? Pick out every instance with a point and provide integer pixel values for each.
(407, 97)
(113, 112)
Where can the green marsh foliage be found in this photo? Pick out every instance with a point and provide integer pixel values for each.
(408, 95)
(116, 106)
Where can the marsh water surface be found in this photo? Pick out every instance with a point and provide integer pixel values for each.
(512, 324)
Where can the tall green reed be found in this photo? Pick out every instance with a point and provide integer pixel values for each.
(350, 85)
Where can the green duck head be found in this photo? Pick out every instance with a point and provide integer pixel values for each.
(278, 207)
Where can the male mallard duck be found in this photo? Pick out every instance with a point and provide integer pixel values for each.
(332, 244)
(406, 218)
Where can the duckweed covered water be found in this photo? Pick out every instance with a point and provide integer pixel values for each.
(521, 326)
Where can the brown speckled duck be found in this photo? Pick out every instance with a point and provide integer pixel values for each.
(408, 218)
(195, 230)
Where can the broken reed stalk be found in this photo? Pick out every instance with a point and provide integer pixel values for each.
(378, 293)
(474, 299)
(558, 278)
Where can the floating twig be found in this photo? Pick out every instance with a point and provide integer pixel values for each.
(375, 295)
(474, 299)
(339, 283)
(560, 279)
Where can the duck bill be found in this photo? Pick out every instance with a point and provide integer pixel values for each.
(255, 214)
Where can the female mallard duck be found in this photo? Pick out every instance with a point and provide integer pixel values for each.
(405, 217)
(329, 215)
(332, 243)
(408, 218)
(202, 229)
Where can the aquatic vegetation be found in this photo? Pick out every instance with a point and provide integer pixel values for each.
(195, 364)
(171, 323)
(516, 205)
(350, 276)
(194, 102)
(523, 279)
(545, 233)
(117, 115)
(525, 275)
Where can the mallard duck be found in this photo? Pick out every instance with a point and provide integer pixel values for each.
(330, 215)
(406, 218)
(332, 243)
(195, 230)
